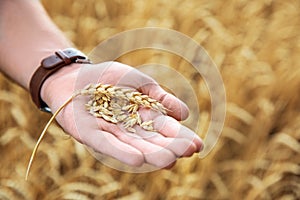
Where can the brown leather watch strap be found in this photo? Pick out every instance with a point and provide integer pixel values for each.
(49, 66)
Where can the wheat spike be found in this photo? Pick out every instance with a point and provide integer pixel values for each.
(116, 104)
(113, 104)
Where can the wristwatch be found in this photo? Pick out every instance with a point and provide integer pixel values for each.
(49, 66)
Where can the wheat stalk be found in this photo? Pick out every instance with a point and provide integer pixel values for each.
(113, 104)
(43, 134)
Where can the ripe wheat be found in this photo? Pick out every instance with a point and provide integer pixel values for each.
(113, 104)
(120, 105)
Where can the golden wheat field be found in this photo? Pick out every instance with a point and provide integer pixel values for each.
(256, 46)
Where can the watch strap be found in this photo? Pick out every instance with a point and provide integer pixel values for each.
(49, 66)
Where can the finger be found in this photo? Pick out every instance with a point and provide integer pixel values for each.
(108, 144)
(147, 85)
(153, 154)
(169, 127)
(171, 165)
(175, 107)
(181, 147)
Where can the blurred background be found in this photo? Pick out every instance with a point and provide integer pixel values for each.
(256, 46)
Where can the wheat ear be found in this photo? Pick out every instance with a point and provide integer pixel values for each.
(43, 134)
(103, 105)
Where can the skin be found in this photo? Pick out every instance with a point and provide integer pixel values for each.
(22, 49)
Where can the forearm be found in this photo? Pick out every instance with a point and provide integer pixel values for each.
(27, 35)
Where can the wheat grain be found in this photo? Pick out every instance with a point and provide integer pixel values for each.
(113, 104)
(120, 105)
(254, 45)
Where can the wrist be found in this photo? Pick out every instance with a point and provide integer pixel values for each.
(60, 85)
(49, 68)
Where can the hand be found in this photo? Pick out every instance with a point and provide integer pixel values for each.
(161, 148)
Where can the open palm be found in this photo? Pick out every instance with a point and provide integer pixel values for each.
(159, 148)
